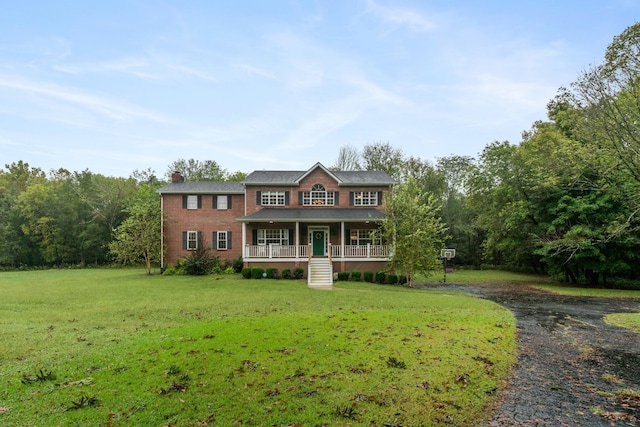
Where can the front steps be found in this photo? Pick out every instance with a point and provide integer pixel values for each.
(320, 274)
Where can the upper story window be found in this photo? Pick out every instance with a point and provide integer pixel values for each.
(221, 202)
(365, 198)
(272, 198)
(318, 196)
(192, 202)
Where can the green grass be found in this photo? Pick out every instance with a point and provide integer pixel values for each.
(118, 348)
(589, 292)
(625, 320)
(484, 276)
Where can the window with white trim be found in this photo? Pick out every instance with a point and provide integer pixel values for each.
(272, 198)
(318, 196)
(192, 202)
(222, 240)
(275, 237)
(362, 237)
(192, 240)
(365, 198)
(221, 202)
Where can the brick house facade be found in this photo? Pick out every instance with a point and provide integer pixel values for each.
(318, 220)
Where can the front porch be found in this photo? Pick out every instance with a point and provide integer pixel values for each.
(297, 253)
(318, 240)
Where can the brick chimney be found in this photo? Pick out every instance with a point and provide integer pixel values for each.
(176, 177)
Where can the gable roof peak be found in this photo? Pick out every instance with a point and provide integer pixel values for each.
(318, 165)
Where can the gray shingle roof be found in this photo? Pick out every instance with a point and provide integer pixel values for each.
(314, 214)
(203, 187)
(343, 177)
(273, 177)
(364, 177)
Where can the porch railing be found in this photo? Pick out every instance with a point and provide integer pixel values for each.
(360, 251)
(303, 251)
(275, 251)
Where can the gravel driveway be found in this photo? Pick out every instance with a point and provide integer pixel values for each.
(570, 362)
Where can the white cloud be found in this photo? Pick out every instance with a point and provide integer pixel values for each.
(401, 16)
(305, 75)
(149, 68)
(108, 108)
(134, 67)
(256, 71)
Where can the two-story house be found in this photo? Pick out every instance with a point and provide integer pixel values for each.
(319, 220)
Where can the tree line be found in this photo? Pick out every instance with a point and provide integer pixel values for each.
(64, 218)
(563, 201)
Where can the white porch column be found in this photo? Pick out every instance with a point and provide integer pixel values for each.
(297, 240)
(342, 239)
(244, 240)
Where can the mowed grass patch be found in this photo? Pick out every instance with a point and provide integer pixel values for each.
(485, 276)
(625, 320)
(589, 292)
(125, 349)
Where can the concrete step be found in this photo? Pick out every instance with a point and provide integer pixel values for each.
(320, 274)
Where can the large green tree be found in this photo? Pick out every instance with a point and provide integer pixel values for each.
(16, 248)
(414, 228)
(453, 172)
(198, 170)
(500, 195)
(137, 239)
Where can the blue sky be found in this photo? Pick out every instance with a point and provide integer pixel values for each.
(119, 85)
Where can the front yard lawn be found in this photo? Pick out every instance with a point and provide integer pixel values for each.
(115, 347)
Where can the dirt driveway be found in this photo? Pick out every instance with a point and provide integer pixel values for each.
(571, 363)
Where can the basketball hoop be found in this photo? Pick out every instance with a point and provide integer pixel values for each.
(446, 255)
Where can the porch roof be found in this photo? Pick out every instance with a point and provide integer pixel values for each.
(314, 214)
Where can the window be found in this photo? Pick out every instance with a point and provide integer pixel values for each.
(318, 196)
(276, 237)
(222, 240)
(272, 198)
(221, 202)
(365, 198)
(362, 237)
(192, 240)
(191, 202)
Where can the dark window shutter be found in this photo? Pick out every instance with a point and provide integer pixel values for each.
(184, 240)
(214, 202)
(214, 240)
(254, 237)
(286, 198)
(199, 242)
(184, 201)
(351, 197)
(229, 201)
(336, 198)
(300, 198)
(228, 240)
(258, 198)
(379, 198)
(291, 242)
(347, 237)
(199, 202)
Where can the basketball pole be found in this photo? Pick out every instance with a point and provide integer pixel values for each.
(445, 269)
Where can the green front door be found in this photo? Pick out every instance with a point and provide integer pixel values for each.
(318, 243)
